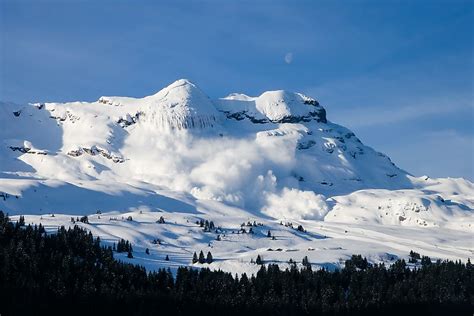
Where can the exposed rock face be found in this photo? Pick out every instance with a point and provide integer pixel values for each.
(93, 151)
(306, 145)
(129, 120)
(26, 149)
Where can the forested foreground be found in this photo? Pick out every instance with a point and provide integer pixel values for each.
(71, 273)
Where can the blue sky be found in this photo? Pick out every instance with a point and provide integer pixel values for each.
(399, 73)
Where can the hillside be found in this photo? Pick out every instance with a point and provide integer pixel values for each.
(275, 159)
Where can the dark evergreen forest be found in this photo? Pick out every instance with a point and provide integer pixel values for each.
(71, 273)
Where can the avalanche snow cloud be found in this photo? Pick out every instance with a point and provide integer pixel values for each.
(271, 158)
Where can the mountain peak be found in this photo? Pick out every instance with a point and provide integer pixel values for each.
(180, 83)
(277, 106)
(181, 105)
(281, 106)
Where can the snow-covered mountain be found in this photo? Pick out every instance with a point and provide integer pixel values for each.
(272, 159)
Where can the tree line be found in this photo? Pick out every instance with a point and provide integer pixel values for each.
(70, 272)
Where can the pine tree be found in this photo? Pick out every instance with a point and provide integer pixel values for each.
(269, 234)
(305, 262)
(129, 255)
(120, 245)
(259, 260)
(425, 261)
(195, 257)
(414, 256)
(21, 221)
(209, 258)
(168, 258)
(202, 259)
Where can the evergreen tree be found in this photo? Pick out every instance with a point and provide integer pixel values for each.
(357, 262)
(305, 262)
(425, 261)
(202, 259)
(130, 255)
(120, 245)
(209, 258)
(195, 257)
(414, 256)
(168, 258)
(259, 260)
(269, 234)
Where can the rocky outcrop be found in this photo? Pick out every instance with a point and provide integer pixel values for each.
(129, 120)
(61, 117)
(94, 151)
(306, 145)
(27, 150)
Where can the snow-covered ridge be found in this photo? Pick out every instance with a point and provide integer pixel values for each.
(181, 105)
(273, 106)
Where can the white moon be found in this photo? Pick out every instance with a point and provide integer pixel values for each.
(288, 58)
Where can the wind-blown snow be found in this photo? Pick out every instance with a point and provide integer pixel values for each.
(270, 158)
(300, 204)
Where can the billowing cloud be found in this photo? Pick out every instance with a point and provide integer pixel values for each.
(224, 169)
(294, 203)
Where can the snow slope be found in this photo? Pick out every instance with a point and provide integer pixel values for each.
(269, 159)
